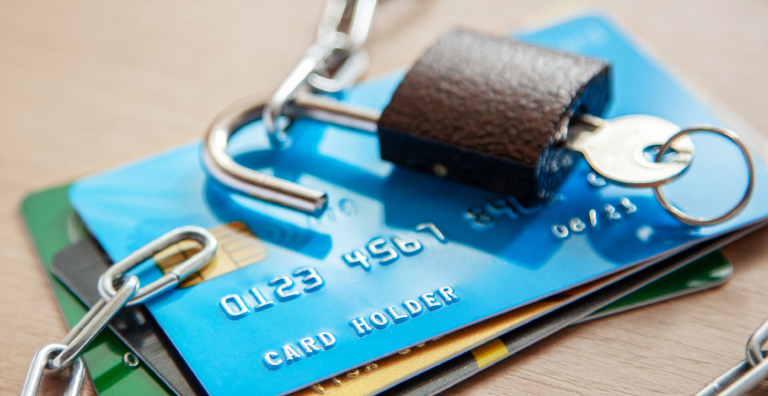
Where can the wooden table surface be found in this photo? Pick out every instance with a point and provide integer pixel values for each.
(85, 85)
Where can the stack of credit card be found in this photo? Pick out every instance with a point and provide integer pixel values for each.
(457, 279)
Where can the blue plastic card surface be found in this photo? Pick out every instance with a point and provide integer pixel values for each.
(374, 274)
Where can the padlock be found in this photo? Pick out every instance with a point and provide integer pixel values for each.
(484, 111)
(490, 112)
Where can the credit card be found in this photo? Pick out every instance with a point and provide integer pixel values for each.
(238, 248)
(705, 273)
(80, 265)
(468, 364)
(90, 253)
(349, 303)
(392, 370)
(699, 275)
(52, 225)
(134, 326)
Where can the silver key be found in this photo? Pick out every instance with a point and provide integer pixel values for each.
(616, 149)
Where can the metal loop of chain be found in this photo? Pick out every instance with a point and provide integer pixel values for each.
(67, 353)
(337, 50)
(38, 366)
(755, 353)
(172, 278)
(90, 325)
(694, 221)
(747, 374)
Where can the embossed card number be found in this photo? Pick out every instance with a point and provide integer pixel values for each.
(609, 213)
(236, 307)
(379, 248)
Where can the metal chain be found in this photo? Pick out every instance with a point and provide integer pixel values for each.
(92, 324)
(333, 62)
(67, 353)
(747, 374)
(338, 50)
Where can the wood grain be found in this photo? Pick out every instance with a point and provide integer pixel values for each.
(85, 85)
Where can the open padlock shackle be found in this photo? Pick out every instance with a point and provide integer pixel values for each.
(339, 46)
(265, 187)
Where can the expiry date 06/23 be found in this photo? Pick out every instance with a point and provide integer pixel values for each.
(482, 218)
(609, 212)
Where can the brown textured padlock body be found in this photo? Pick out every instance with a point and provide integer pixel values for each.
(487, 109)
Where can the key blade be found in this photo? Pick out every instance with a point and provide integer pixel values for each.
(615, 149)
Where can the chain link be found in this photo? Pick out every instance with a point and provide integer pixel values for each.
(38, 366)
(333, 62)
(67, 353)
(109, 278)
(92, 324)
(747, 374)
(338, 50)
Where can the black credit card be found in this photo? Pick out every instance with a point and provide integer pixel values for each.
(79, 267)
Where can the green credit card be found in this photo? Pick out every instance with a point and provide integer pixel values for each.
(52, 225)
(705, 273)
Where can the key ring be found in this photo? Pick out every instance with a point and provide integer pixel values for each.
(694, 221)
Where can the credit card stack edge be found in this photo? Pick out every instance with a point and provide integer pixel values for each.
(63, 258)
(174, 376)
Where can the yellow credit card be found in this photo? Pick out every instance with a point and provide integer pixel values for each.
(480, 338)
(238, 248)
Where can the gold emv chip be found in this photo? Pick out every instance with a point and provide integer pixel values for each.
(238, 248)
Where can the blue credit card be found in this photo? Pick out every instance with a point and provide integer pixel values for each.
(399, 257)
